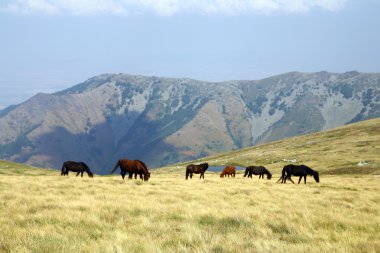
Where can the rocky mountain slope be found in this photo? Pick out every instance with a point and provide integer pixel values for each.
(166, 120)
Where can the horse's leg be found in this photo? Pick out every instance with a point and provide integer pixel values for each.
(305, 178)
(130, 175)
(300, 179)
(78, 173)
(289, 177)
(81, 174)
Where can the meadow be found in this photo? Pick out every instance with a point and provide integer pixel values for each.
(41, 211)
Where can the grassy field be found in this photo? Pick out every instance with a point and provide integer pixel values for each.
(41, 211)
(45, 212)
(351, 149)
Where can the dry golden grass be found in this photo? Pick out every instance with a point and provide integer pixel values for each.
(337, 151)
(41, 211)
(51, 213)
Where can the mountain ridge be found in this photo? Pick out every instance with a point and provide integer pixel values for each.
(166, 120)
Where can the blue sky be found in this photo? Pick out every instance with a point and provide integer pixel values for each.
(49, 45)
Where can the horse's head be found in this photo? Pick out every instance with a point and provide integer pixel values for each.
(146, 176)
(316, 176)
(90, 174)
(269, 176)
(221, 174)
(205, 166)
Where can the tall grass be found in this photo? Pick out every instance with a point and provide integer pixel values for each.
(50, 213)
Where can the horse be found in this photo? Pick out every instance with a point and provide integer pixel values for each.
(228, 170)
(297, 170)
(257, 170)
(197, 169)
(79, 167)
(132, 167)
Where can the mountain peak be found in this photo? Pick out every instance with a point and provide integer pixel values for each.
(165, 120)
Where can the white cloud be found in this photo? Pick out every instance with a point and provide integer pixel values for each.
(166, 7)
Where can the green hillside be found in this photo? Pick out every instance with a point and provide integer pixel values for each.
(351, 149)
(11, 168)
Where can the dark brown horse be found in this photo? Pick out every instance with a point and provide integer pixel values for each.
(257, 170)
(197, 169)
(79, 167)
(297, 170)
(132, 167)
(228, 170)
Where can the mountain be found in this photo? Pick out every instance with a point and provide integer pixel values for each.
(167, 120)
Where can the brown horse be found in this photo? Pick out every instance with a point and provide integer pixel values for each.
(132, 167)
(197, 169)
(228, 170)
(78, 167)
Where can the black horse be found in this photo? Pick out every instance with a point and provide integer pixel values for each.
(131, 167)
(257, 170)
(197, 169)
(79, 167)
(297, 170)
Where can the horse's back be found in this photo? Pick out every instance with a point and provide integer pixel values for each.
(296, 170)
(230, 169)
(133, 165)
(73, 164)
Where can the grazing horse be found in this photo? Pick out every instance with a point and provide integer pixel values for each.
(132, 167)
(197, 169)
(297, 170)
(79, 167)
(257, 170)
(228, 170)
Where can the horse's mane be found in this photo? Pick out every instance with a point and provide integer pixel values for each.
(87, 169)
(309, 171)
(144, 166)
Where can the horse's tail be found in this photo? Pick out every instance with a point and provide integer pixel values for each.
(282, 174)
(246, 172)
(63, 169)
(115, 167)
